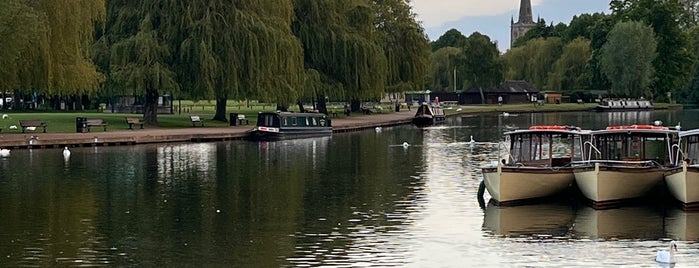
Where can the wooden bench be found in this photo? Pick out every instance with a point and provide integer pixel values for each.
(134, 121)
(95, 123)
(241, 119)
(26, 124)
(196, 119)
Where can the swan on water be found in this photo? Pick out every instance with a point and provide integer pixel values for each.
(472, 141)
(505, 114)
(4, 152)
(378, 129)
(406, 144)
(667, 256)
(66, 152)
(5, 116)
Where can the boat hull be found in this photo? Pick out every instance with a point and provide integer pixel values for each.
(289, 133)
(516, 184)
(683, 183)
(603, 184)
(424, 121)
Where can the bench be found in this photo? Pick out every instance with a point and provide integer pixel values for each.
(134, 121)
(95, 123)
(32, 125)
(196, 119)
(366, 110)
(241, 119)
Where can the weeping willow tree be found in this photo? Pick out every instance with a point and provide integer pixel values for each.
(342, 50)
(46, 53)
(404, 43)
(137, 37)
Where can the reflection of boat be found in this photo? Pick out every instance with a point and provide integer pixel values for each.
(681, 225)
(540, 219)
(428, 115)
(285, 125)
(615, 105)
(621, 223)
(630, 160)
(539, 163)
(683, 181)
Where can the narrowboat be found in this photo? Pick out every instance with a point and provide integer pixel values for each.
(621, 105)
(272, 126)
(428, 115)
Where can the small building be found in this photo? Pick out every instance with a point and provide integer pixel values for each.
(511, 91)
(552, 97)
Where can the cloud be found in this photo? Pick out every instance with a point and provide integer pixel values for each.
(435, 13)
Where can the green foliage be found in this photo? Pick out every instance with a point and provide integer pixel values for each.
(442, 65)
(534, 61)
(451, 38)
(569, 70)
(627, 58)
(482, 67)
(404, 43)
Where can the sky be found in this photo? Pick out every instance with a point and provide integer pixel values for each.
(492, 18)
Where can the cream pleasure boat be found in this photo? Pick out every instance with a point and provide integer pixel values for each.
(683, 180)
(629, 161)
(539, 164)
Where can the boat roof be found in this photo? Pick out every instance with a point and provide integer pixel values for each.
(641, 129)
(551, 130)
(294, 114)
(692, 132)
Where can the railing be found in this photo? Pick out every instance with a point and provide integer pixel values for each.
(591, 146)
(677, 160)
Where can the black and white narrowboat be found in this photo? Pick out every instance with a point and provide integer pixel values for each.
(273, 126)
(428, 115)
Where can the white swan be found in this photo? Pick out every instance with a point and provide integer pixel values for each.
(4, 152)
(667, 256)
(472, 141)
(406, 144)
(5, 116)
(66, 152)
(505, 114)
(378, 129)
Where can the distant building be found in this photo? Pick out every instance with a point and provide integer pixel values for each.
(511, 92)
(524, 23)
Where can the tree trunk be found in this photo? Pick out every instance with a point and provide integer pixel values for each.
(322, 106)
(301, 109)
(355, 105)
(221, 109)
(150, 108)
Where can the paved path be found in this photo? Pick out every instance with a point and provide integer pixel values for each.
(16, 140)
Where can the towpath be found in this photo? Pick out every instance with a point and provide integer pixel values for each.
(16, 140)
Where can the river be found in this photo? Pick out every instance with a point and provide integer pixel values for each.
(354, 200)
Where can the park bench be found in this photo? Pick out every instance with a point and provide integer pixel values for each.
(196, 119)
(134, 121)
(241, 119)
(32, 125)
(95, 123)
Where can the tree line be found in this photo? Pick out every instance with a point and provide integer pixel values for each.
(643, 48)
(285, 51)
(291, 52)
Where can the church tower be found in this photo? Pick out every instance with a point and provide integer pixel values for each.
(524, 23)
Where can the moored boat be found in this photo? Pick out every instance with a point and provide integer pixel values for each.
(683, 180)
(428, 115)
(285, 125)
(539, 164)
(630, 160)
(616, 105)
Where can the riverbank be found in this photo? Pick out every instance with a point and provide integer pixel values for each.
(202, 134)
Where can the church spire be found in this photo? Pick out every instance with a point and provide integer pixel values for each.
(525, 12)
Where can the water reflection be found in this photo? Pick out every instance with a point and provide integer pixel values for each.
(681, 225)
(540, 220)
(621, 223)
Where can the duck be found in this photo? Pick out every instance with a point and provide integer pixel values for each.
(4, 152)
(667, 256)
(66, 152)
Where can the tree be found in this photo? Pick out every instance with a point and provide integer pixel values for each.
(627, 57)
(667, 18)
(451, 38)
(342, 52)
(482, 67)
(442, 66)
(45, 52)
(404, 43)
(568, 72)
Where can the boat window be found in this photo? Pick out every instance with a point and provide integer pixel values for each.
(268, 120)
(293, 121)
(314, 121)
(692, 149)
(285, 121)
(307, 123)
